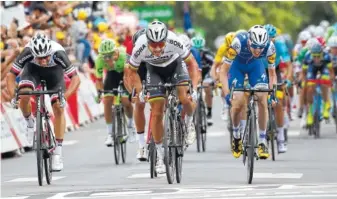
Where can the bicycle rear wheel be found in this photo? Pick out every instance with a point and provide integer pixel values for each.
(39, 151)
(198, 126)
(48, 159)
(317, 118)
(124, 133)
(251, 148)
(169, 151)
(117, 129)
(153, 158)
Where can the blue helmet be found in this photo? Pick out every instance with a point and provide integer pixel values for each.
(316, 48)
(271, 30)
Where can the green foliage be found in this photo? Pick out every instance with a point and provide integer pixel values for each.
(220, 17)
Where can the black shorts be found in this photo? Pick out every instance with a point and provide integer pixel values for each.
(278, 75)
(32, 75)
(204, 72)
(142, 71)
(111, 82)
(175, 73)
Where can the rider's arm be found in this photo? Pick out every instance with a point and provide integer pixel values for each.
(16, 68)
(62, 59)
(232, 52)
(133, 65)
(193, 70)
(271, 56)
(330, 67)
(218, 60)
(99, 65)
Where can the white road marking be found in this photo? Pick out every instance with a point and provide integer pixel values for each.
(287, 186)
(279, 175)
(34, 179)
(217, 133)
(144, 175)
(293, 133)
(120, 193)
(69, 142)
(62, 195)
(20, 197)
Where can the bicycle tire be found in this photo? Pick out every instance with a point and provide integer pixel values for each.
(169, 152)
(251, 148)
(116, 137)
(230, 129)
(197, 126)
(317, 118)
(123, 144)
(180, 149)
(335, 114)
(271, 133)
(204, 126)
(48, 160)
(153, 158)
(39, 152)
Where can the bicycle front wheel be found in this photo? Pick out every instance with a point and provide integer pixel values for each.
(124, 132)
(48, 159)
(181, 131)
(198, 126)
(169, 151)
(116, 132)
(204, 126)
(39, 150)
(251, 148)
(153, 158)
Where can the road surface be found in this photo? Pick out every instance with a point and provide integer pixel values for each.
(308, 170)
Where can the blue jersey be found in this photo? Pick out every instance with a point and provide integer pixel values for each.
(239, 51)
(282, 53)
(309, 61)
(196, 54)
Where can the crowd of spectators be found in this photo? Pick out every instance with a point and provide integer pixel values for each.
(78, 26)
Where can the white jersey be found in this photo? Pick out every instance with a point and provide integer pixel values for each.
(174, 48)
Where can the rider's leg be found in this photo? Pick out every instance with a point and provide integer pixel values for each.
(325, 94)
(279, 118)
(108, 116)
(129, 114)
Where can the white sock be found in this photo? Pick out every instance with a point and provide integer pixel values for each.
(280, 134)
(160, 151)
(262, 137)
(189, 119)
(109, 128)
(141, 140)
(243, 123)
(236, 133)
(30, 121)
(130, 122)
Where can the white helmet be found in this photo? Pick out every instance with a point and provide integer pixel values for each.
(311, 42)
(186, 41)
(332, 42)
(304, 36)
(258, 35)
(40, 45)
(156, 32)
(324, 24)
(311, 29)
(319, 31)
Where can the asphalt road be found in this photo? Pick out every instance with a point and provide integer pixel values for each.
(308, 170)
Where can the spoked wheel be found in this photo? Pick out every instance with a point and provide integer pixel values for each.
(272, 143)
(116, 138)
(39, 151)
(169, 152)
(251, 149)
(47, 158)
(123, 143)
(153, 158)
(179, 163)
(198, 127)
(204, 127)
(317, 124)
(230, 129)
(334, 113)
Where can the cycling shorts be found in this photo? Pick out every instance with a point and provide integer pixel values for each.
(206, 76)
(175, 73)
(312, 73)
(255, 70)
(32, 75)
(111, 82)
(142, 71)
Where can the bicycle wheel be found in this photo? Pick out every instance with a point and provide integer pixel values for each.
(204, 126)
(39, 151)
(117, 130)
(317, 118)
(124, 133)
(251, 147)
(169, 151)
(334, 113)
(48, 159)
(180, 149)
(198, 126)
(230, 129)
(153, 158)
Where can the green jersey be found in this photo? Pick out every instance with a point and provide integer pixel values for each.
(118, 66)
(302, 54)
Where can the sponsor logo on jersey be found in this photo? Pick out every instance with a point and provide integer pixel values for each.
(161, 59)
(271, 59)
(140, 50)
(21, 61)
(231, 53)
(175, 43)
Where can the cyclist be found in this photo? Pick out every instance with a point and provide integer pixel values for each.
(44, 59)
(316, 60)
(207, 59)
(281, 55)
(112, 59)
(244, 57)
(163, 51)
(332, 44)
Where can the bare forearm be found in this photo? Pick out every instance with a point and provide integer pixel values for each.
(74, 84)
(224, 77)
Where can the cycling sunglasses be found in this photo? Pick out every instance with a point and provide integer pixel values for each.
(108, 56)
(255, 46)
(42, 58)
(316, 55)
(157, 44)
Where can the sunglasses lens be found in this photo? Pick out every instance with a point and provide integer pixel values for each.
(157, 44)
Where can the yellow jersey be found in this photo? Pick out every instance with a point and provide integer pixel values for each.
(223, 49)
